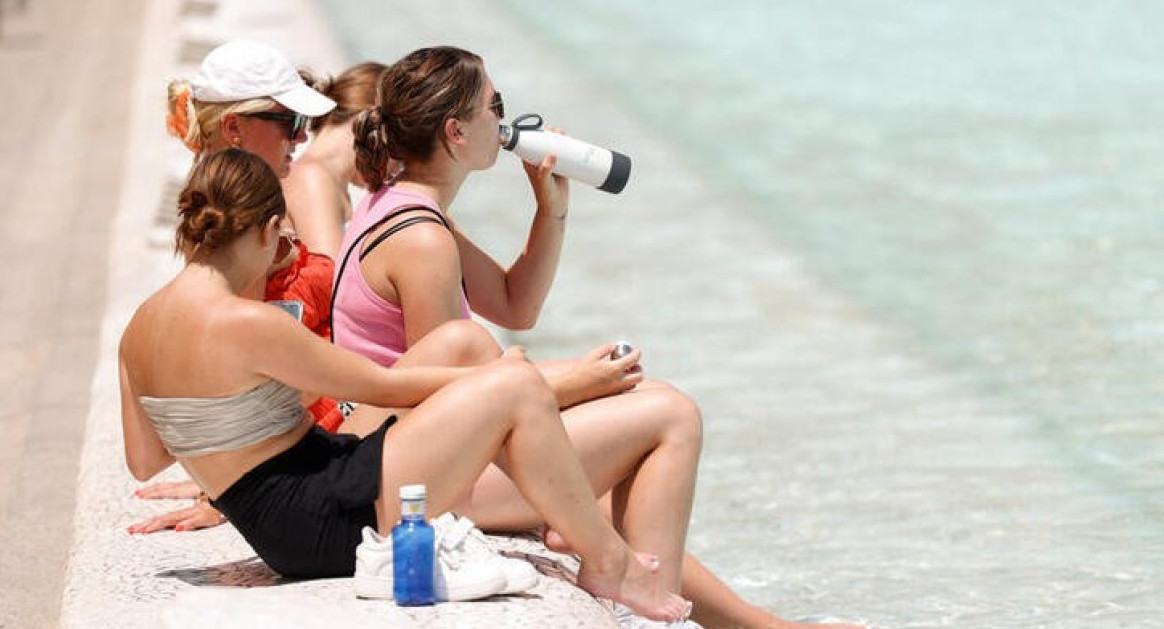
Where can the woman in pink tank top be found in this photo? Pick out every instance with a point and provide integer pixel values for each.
(405, 271)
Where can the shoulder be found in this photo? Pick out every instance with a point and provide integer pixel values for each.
(308, 177)
(422, 238)
(132, 331)
(249, 321)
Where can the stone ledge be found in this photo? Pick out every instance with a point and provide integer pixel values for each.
(212, 578)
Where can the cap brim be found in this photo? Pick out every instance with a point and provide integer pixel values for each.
(301, 99)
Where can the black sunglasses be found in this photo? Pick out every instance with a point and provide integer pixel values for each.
(498, 105)
(294, 123)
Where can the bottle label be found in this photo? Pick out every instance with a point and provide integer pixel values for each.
(412, 508)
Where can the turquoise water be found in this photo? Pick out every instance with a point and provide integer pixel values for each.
(980, 174)
(982, 179)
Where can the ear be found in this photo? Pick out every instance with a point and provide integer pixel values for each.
(231, 127)
(453, 131)
(270, 231)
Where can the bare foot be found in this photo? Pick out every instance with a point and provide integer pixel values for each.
(555, 542)
(558, 544)
(626, 580)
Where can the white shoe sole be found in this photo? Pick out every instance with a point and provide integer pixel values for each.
(472, 591)
(373, 587)
(519, 578)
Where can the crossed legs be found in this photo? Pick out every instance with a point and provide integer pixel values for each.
(506, 414)
(612, 437)
(631, 446)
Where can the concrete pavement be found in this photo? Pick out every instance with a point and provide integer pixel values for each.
(65, 74)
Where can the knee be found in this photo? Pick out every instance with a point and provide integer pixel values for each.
(467, 342)
(683, 419)
(521, 385)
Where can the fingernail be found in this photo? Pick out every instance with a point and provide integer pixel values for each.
(179, 528)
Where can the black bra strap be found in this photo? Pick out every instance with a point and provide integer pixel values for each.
(408, 222)
(373, 227)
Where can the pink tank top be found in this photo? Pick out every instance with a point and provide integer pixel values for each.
(362, 320)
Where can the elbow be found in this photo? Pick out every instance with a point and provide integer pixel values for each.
(140, 472)
(524, 320)
(145, 470)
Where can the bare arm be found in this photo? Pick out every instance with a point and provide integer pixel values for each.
(430, 295)
(315, 207)
(427, 278)
(144, 453)
(513, 297)
(282, 349)
(593, 376)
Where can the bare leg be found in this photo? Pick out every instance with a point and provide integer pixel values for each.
(645, 446)
(719, 607)
(496, 504)
(460, 343)
(506, 412)
(716, 606)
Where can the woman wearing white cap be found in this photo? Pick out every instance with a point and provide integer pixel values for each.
(245, 95)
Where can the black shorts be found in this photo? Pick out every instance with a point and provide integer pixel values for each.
(302, 510)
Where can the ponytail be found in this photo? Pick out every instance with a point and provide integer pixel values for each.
(373, 148)
(181, 116)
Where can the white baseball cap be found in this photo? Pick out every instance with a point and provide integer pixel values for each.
(241, 70)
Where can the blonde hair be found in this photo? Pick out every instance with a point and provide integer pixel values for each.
(198, 124)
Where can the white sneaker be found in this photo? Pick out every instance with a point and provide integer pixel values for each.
(453, 530)
(462, 574)
(628, 620)
(374, 565)
(457, 575)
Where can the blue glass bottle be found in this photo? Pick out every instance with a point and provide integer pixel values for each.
(412, 551)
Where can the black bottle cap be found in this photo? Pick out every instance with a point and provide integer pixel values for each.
(620, 167)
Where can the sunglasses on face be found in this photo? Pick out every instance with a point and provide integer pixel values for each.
(292, 122)
(498, 105)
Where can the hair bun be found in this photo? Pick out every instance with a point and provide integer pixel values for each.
(190, 203)
(227, 193)
(200, 222)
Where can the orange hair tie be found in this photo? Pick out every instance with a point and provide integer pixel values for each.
(178, 119)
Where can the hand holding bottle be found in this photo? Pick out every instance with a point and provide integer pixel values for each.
(551, 191)
(605, 169)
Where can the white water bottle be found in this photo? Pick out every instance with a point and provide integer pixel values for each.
(604, 169)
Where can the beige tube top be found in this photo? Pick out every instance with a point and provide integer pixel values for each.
(195, 426)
